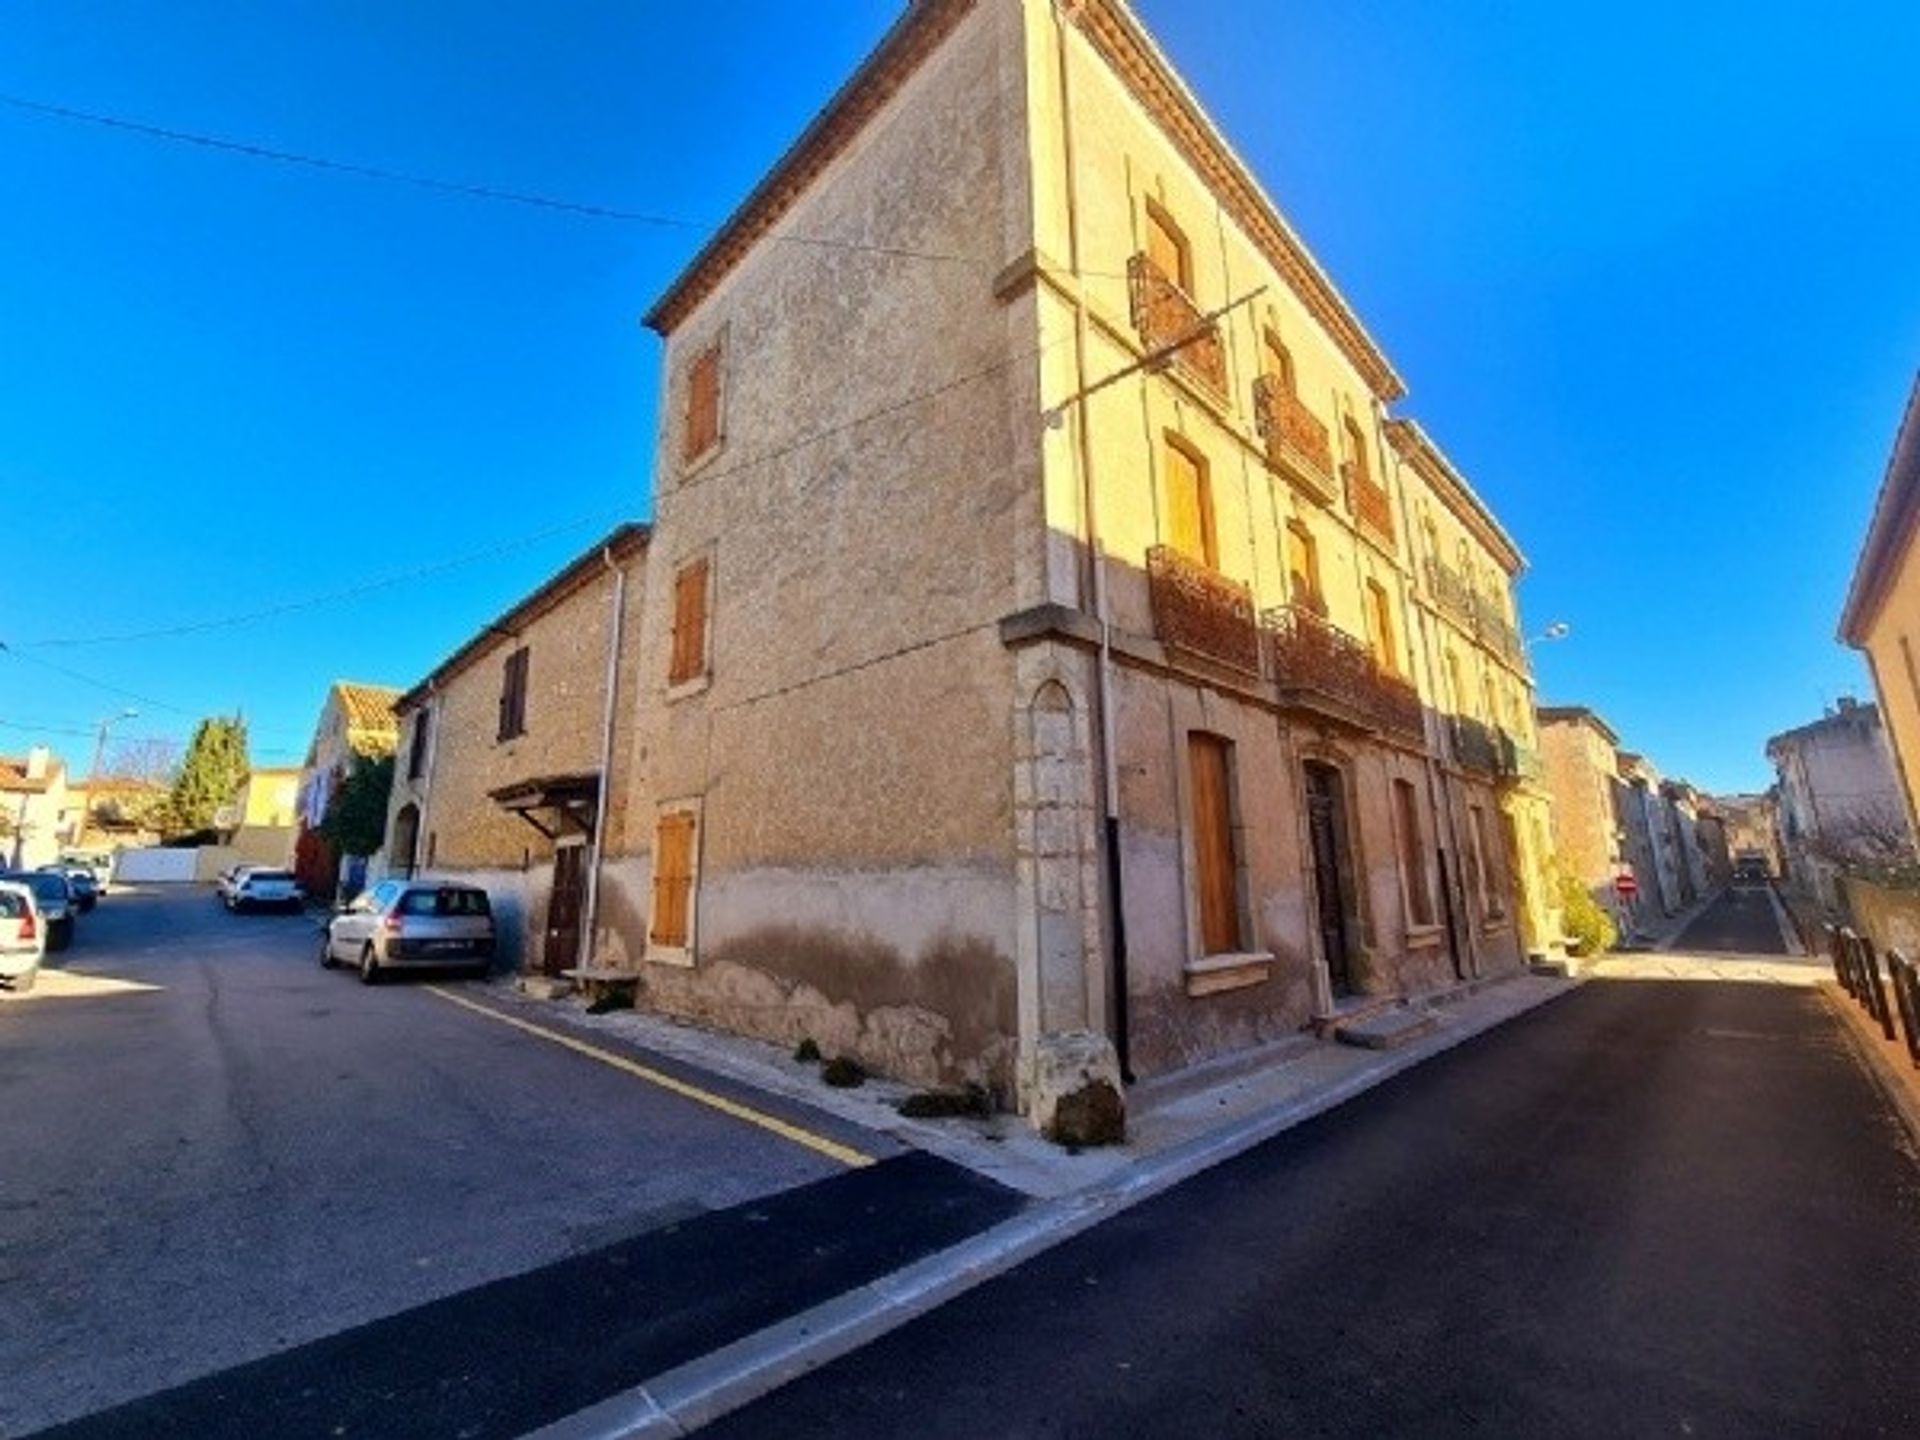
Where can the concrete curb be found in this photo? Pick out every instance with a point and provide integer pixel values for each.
(1785, 922)
(681, 1400)
(1901, 1088)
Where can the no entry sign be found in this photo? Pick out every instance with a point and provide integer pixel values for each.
(1625, 886)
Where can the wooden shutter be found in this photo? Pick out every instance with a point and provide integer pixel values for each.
(513, 695)
(1303, 568)
(1279, 364)
(703, 404)
(1213, 861)
(1413, 854)
(1189, 506)
(1167, 248)
(689, 649)
(672, 878)
(1380, 615)
(1357, 446)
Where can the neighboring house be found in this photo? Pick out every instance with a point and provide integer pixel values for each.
(1840, 798)
(1683, 805)
(1752, 829)
(1882, 614)
(33, 797)
(356, 721)
(1581, 757)
(107, 812)
(260, 823)
(1016, 681)
(1650, 840)
(501, 775)
(1716, 847)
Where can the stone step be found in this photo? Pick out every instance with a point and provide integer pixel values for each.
(1387, 1029)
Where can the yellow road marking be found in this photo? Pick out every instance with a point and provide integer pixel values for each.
(832, 1149)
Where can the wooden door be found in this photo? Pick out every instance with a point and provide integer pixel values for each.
(564, 904)
(1326, 835)
(1213, 863)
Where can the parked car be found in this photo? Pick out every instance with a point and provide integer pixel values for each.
(406, 924)
(86, 892)
(1752, 869)
(224, 882)
(258, 885)
(98, 863)
(53, 898)
(23, 937)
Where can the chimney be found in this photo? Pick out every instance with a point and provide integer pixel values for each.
(38, 757)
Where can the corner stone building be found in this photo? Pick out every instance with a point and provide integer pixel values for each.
(1042, 652)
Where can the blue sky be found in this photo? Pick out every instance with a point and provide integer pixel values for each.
(1650, 274)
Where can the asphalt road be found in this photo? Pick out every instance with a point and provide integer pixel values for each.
(1651, 1208)
(236, 1189)
(1742, 921)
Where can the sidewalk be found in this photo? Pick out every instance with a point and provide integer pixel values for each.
(1177, 1128)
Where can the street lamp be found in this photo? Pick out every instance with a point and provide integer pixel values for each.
(93, 774)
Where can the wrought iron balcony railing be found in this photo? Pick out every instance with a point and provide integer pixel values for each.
(1475, 746)
(1298, 443)
(1197, 609)
(1163, 315)
(1311, 654)
(1450, 591)
(1517, 761)
(1368, 496)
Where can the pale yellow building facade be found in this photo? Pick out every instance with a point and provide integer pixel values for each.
(1048, 631)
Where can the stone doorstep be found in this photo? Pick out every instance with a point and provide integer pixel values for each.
(1351, 1010)
(1388, 1029)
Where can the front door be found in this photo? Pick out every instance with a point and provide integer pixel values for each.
(562, 948)
(1326, 835)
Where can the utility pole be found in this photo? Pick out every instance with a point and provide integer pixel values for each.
(93, 773)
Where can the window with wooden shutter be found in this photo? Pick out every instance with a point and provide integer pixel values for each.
(1276, 362)
(1413, 854)
(1214, 863)
(672, 879)
(1189, 504)
(1357, 453)
(1303, 568)
(688, 658)
(1380, 627)
(417, 751)
(1167, 248)
(702, 429)
(513, 695)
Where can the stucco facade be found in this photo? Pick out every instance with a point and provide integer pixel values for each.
(33, 797)
(495, 776)
(1882, 614)
(1840, 800)
(356, 723)
(962, 620)
(1580, 755)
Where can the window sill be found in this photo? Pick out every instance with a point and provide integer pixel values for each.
(690, 470)
(697, 685)
(1425, 937)
(1215, 974)
(678, 956)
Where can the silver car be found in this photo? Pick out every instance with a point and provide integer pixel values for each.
(54, 897)
(23, 938)
(409, 924)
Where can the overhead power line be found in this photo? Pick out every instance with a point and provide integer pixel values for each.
(107, 686)
(315, 602)
(446, 187)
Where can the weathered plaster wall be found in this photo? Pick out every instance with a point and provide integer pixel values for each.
(851, 750)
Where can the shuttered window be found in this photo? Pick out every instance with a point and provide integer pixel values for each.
(417, 751)
(1276, 361)
(1357, 452)
(513, 695)
(1213, 858)
(1380, 627)
(1413, 853)
(702, 430)
(1189, 504)
(688, 659)
(672, 879)
(1167, 248)
(1303, 568)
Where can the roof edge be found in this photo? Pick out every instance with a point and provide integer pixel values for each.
(1418, 449)
(624, 540)
(1896, 508)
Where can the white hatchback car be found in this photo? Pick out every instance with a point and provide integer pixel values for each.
(23, 937)
(257, 885)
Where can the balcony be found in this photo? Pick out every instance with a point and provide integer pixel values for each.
(1476, 746)
(1368, 497)
(1314, 657)
(1163, 315)
(1451, 592)
(1298, 444)
(1517, 762)
(1201, 611)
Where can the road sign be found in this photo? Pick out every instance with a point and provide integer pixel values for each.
(1625, 886)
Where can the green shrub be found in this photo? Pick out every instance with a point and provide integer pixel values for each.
(946, 1104)
(806, 1052)
(1586, 922)
(843, 1073)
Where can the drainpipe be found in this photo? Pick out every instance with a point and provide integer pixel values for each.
(592, 907)
(1109, 774)
(432, 714)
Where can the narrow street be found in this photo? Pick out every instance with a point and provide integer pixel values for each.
(246, 1196)
(1655, 1207)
